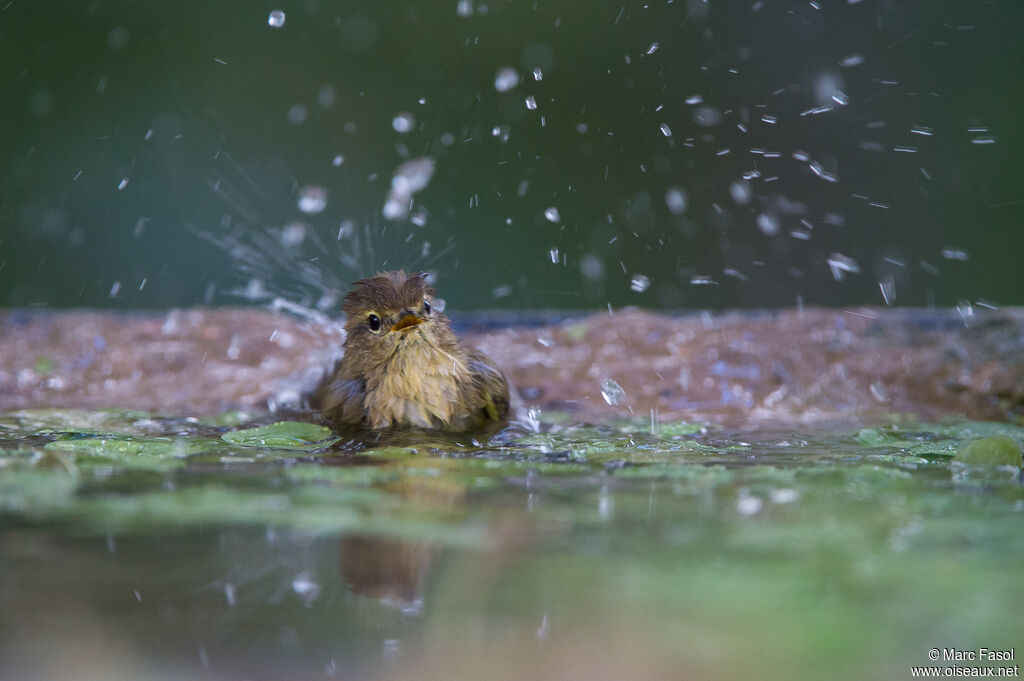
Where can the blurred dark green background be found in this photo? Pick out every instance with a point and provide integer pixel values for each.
(152, 154)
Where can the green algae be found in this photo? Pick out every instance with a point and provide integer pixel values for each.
(997, 450)
(289, 435)
(690, 538)
(936, 440)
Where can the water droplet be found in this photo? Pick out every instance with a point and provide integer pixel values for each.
(735, 274)
(533, 418)
(605, 503)
(888, 287)
(538, 74)
(675, 199)
(611, 391)
(749, 505)
(552, 215)
(276, 19)
(506, 79)
(414, 175)
(312, 199)
(852, 60)
(820, 171)
(553, 254)
(297, 114)
(293, 234)
(922, 130)
(784, 496)
(707, 116)
(841, 265)
(409, 178)
(768, 224)
(531, 103)
(542, 630)
(591, 267)
(954, 254)
(337, 160)
(122, 184)
(694, 99)
(305, 588)
(741, 192)
(827, 86)
(639, 283)
(966, 311)
(464, 8)
(403, 122)
(501, 291)
(394, 209)
(653, 48)
(665, 130)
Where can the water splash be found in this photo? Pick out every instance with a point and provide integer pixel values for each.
(403, 122)
(675, 199)
(293, 234)
(506, 79)
(276, 19)
(533, 415)
(612, 392)
(841, 265)
(409, 178)
(312, 199)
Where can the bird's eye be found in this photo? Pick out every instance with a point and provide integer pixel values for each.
(373, 321)
(426, 306)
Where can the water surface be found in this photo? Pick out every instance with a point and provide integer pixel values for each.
(142, 545)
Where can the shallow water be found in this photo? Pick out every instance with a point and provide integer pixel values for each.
(144, 546)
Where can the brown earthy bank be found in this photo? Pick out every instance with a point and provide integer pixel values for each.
(737, 368)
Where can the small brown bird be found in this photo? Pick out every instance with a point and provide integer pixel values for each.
(403, 364)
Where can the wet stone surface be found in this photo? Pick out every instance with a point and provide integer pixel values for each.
(735, 368)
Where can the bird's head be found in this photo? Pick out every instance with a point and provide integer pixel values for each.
(388, 312)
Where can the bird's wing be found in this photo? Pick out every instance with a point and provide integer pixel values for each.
(492, 383)
(340, 400)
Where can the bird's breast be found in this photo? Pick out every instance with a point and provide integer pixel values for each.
(419, 386)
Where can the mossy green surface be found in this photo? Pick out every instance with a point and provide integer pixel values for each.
(683, 540)
(293, 435)
(998, 450)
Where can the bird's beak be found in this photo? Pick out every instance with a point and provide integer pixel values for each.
(408, 321)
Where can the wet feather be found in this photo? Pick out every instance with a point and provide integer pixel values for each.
(404, 366)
